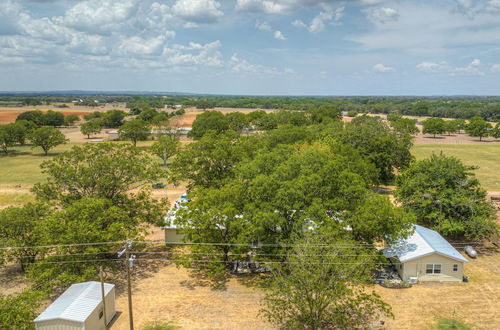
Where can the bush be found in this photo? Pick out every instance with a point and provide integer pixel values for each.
(159, 326)
(448, 324)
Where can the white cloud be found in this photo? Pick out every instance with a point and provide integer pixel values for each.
(242, 66)
(493, 7)
(278, 35)
(100, 16)
(319, 22)
(495, 68)
(10, 15)
(198, 11)
(383, 15)
(425, 29)
(263, 26)
(382, 68)
(275, 6)
(140, 46)
(472, 69)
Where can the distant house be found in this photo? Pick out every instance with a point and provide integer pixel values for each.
(172, 234)
(426, 256)
(79, 307)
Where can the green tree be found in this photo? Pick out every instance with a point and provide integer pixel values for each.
(47, 138)
(321, 286)
(19, 311)
(104, 170)
(208, 121)
(387, 150)
(434, 126)
(166, 147)
(89, 220)
(134, 130)
(112, 118)
(208, 162)
(28, 125)
(461, 124)
(237, 121)
(93, 126)
(496, 131)
(445, 196)
(376, 219)
(70, 119)
(35, 116)
(10, 134)
(20, 227)
(53, 118)
(324, 113)
(478, 127)
(148, 114)
(405, 125)
(451, 126)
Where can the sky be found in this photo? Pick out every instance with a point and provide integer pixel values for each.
(252, 47)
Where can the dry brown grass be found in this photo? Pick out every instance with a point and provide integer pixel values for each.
(168, 295)
(476, 303)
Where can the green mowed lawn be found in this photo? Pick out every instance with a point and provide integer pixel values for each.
(487, 157)
(22, 164)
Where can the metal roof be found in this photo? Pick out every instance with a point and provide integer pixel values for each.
(76, 303)
(422, 242)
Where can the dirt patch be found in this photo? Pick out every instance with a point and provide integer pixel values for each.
(12, 280)
(167, 296)
(9, 116)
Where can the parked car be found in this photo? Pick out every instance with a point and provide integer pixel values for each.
(470, 251)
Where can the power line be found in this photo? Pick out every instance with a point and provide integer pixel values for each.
(340, 245)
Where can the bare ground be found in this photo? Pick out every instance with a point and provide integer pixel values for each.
(169, 295)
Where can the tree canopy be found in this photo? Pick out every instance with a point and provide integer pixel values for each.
(47, 138)
(478, 127)
(320, 286)
(434, 126)
(445, 195)
(209, 121)
(104, 170)
(134, 130)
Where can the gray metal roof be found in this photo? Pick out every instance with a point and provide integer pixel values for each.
(76, 303)
(422, 242)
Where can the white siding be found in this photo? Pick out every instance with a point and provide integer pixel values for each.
(59, 325)
(417, 268)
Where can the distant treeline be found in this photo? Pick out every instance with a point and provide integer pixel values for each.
(449, 107)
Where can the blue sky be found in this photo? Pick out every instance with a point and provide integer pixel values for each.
(268, 47)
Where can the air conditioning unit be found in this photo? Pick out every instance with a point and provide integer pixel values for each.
(413, 280)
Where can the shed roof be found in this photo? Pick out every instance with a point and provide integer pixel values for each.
(76, 303)
(422, 242)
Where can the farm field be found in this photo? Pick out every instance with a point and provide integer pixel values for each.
(486, 156)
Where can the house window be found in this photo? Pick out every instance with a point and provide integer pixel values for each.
(433, 269)
(455, 268)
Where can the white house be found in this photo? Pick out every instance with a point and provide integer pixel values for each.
(426, 256)
(171, 231)
(79, 307)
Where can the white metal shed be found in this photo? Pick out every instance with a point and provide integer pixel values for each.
(79, 307)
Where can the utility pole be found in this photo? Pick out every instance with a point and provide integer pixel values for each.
(103, 298)
(129, 263)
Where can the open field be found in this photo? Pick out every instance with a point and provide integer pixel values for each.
(9, 114)
(486, 156)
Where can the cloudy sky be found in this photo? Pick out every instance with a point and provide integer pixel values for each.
(286, 47)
